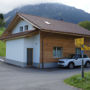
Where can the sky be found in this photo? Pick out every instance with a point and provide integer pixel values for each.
(8, 5)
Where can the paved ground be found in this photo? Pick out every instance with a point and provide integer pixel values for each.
(15, 78)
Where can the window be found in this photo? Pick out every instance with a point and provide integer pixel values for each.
(85, 56)
(79, 56)
(57, 52)
(26, 27)
(78, 50)
(21, 29)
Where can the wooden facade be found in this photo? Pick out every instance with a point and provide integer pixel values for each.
(50, 40)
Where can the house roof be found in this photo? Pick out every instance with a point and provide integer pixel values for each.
(55, 25)
(45, 24)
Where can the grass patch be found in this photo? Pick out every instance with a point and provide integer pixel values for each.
(2, 44)
(78, 82)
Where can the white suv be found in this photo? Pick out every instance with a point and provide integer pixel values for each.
(74, 60)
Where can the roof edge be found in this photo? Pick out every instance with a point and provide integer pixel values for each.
(66, 33)
(20, 15)
(17, 35)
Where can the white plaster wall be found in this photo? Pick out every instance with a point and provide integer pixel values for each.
(33, 42)
(22, 23)
(15, 50)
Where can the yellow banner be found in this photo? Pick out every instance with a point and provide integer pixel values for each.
(86, 48)
(79, 42)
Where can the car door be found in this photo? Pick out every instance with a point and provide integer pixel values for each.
(85, 58)
(78, 60)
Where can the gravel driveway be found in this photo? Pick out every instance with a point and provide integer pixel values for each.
(16, 78)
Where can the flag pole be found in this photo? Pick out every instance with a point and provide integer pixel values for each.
(82, 65)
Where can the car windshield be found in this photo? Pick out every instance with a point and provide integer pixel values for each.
(72, 56)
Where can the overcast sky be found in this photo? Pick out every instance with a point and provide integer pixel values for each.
(7, 5)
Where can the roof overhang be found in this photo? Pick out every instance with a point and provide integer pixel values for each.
(20, 35)
(66, 33)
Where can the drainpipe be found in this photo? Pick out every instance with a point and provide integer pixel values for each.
(42, 54)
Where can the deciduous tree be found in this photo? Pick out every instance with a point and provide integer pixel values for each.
(85, 24)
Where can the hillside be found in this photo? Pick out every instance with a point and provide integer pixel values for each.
(2, 44)
(53, 11)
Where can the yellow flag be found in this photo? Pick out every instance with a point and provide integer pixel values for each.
(86, 48)
(79, 42)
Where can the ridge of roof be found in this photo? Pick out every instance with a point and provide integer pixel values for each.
(21, 14)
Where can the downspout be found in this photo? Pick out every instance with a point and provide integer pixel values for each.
(42, 54)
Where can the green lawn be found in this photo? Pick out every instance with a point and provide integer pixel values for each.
(2, 44)
(78, 82)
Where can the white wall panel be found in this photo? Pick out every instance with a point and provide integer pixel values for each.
(22, 23)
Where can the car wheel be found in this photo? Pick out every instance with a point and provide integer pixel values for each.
(71, 65)
(87, 64)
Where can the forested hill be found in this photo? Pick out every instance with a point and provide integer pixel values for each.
(51, 10)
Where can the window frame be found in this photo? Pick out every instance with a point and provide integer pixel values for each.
(56, 52)
(20, 28)
(85, 56)
(25, 28)
(76, 50)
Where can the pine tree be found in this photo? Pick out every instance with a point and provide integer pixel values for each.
(2, 23)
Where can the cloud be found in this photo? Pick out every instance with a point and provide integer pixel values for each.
(7, 5)
(81, 4)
